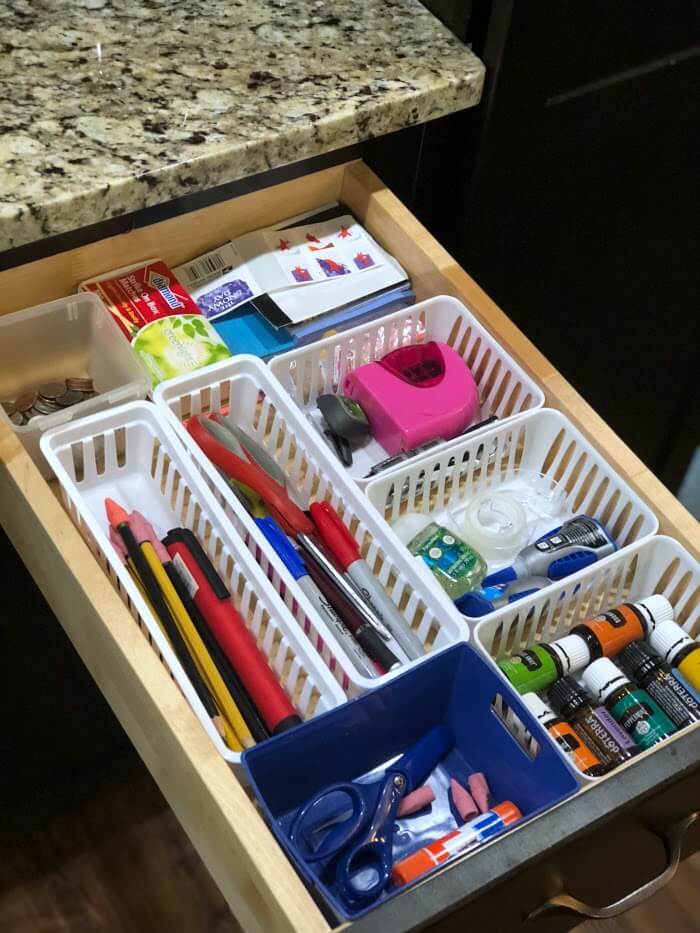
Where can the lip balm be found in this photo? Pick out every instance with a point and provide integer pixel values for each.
(469, 836)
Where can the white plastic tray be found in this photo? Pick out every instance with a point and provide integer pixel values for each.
(73, 336)
(656, 565)
(505, 388)
(132, 455)
(265, 411)
(509, 456)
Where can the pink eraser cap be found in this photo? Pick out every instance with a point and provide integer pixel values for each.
(463, 801)
(145, 531)
(117, 543)
(416, 800)
(480, 791)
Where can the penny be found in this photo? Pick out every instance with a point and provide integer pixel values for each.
(17, 418)
(51, 390)
(71, 397)
(80, 384)
(25, 402)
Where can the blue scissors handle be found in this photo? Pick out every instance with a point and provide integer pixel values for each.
(364, 871)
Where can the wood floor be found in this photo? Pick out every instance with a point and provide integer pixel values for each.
(116, 861)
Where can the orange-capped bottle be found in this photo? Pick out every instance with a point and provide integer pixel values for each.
(608, 633)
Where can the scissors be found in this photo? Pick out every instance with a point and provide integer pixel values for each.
(245, 461)
(353, 823)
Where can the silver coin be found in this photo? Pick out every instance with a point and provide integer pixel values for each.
(44, 407)
(71, 397)
(25, 402)
(17, 418)
(51, 390)
(80, 384)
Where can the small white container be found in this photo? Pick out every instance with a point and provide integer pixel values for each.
(73, 336)
(540, 450)
(131, 454)
(655, 565)
(268, 415)
(505, 389)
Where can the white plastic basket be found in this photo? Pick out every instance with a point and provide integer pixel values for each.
(132, 455)
(537, 443)
(505, 388)
(264, 411)
(655, 565)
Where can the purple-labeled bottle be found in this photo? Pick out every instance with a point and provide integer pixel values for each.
(594, 723)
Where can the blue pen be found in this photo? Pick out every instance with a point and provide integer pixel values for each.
(294, 563)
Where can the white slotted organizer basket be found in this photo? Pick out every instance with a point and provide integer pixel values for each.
(132, 455)
(505, 388)
(655, 565)
(541, 442)
(262, 409)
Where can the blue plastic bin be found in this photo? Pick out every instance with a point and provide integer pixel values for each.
(455, 687)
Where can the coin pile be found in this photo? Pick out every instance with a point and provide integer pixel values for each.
(49, 397)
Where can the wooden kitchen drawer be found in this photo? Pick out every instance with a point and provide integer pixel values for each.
(264, 892)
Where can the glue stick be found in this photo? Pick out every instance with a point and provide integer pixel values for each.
(468, 837)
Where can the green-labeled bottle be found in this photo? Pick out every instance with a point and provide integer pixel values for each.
(538, 667)
(455, 564)
(632, 707)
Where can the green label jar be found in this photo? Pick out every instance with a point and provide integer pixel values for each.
(531, 670)
(642, 718)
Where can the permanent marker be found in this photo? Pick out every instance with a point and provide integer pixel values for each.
(385, 650)
(292, 560)
(346, 551)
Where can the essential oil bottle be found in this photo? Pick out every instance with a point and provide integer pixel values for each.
(537, 668)
(566, 737)
(649, 671)
(679, 650)
(608, 633)
(571, 701)
(631, 706)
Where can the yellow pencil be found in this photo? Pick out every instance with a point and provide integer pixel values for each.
(201, 656)
(220, 724)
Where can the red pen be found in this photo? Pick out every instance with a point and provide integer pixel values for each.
(346, 551)
(213, 600)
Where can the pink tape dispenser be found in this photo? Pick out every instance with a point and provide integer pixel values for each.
(415, 394)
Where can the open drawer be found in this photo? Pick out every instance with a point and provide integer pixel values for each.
(631, 806)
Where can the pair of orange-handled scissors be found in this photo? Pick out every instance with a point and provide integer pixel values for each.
(244, 468)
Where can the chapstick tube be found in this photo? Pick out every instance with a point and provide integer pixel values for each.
(213, 600)
(608, 633)
(469, 836)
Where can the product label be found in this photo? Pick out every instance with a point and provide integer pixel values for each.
(616, 735)
(673, 699)
(567, 739)
(644, 721)
(185, 575)
(616, 628)
(451, 560)
(533, 669)
(139, 296)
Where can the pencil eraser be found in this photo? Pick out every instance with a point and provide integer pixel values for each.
(416, 800)
(480, 791)
(463, 801)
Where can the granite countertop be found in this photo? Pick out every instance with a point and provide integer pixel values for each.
(109, 106)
